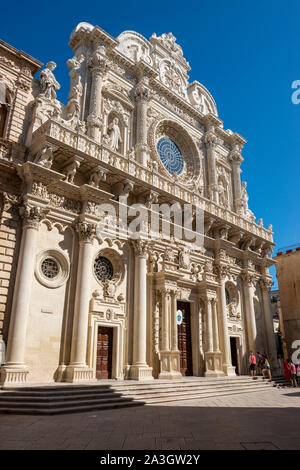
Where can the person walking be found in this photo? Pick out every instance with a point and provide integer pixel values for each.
(266, 368)
(252, 363)
(293, 377)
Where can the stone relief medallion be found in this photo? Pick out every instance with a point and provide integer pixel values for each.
(52, 268)
(175, 152)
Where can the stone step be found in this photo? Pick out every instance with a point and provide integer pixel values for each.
(71, 409)
(193, 393)
(56, 397)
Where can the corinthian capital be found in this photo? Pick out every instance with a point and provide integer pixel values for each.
(141, 248)
(32, 216)
(235, 154)
(265, 284)
(98, 61)
(210, 139)
(142, 91)
(86, 231)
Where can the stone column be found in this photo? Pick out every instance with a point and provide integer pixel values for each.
(78, 370)
(15, 371)
(174, 333)
(265, 285)
(140, 369)
(142, 96)
(227, 363)
(209, 327)
(215, 326)
(248, 283)
(213, 356)
(236, 160)
(211, 141)
(165, 344)
(97, 64)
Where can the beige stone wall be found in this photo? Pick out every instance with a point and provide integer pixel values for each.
(288, 274)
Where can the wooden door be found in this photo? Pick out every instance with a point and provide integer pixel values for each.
(104, 353)
(185, 339)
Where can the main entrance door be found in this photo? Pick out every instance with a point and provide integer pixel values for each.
(185, 339)
(104, 353)
(234, 353)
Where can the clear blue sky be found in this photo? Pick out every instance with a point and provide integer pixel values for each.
(246, 53)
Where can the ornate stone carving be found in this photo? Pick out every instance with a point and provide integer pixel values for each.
(39, 189)
(114, 132)
(32, 216)
(97, 176)
(49, 85)
(184, 258)
(86, 231)
(45, 157)
(70, 171)
(142, 91)
(141, 248)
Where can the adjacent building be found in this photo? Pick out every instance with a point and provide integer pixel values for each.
(84, 296)
(288, 275)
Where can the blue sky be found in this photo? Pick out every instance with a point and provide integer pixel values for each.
(246, 53)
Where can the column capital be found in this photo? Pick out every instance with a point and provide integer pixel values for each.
(32, 216)
(249, 279)
(265, 284)
(141, 248)
(86, 231)
(210, 139)
(98, 61)
(142, 93)
(235, 156)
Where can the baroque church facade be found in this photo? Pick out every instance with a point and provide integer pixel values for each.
(78, 304)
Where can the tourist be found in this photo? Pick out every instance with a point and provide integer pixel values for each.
(293, 377)
(266, 368)
(298, 373)
(287, 372)
(252, 363)
(259, 356)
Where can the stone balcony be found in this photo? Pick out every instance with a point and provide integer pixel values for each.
(59, 135)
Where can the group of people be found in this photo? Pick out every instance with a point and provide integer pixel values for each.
(290, 370)
(261, 363)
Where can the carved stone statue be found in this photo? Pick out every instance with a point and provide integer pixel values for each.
(45, 157)
(70, 171)
(115, 134)
(73, 106)
(96, 177)
(48, 81)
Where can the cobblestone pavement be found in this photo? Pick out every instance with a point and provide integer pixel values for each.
(268, 419)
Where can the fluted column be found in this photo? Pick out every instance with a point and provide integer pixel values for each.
(15, 371)
(78, 370)
(248, 283)
(213, 356)
(142, 96)
(140, 370)
(265, 285)
(97, 64)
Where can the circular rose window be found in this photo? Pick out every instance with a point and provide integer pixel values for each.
(103, 269)
(49, 268)
(170, 155)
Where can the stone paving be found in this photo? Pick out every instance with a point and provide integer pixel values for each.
(267, 419)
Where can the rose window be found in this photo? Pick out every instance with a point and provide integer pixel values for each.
(170, 155)
(103, 269)
(49, 268)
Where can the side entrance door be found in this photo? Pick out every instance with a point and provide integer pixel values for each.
(104, 353)
(185, 339)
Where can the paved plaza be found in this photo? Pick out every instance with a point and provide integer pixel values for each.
(267, 419)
